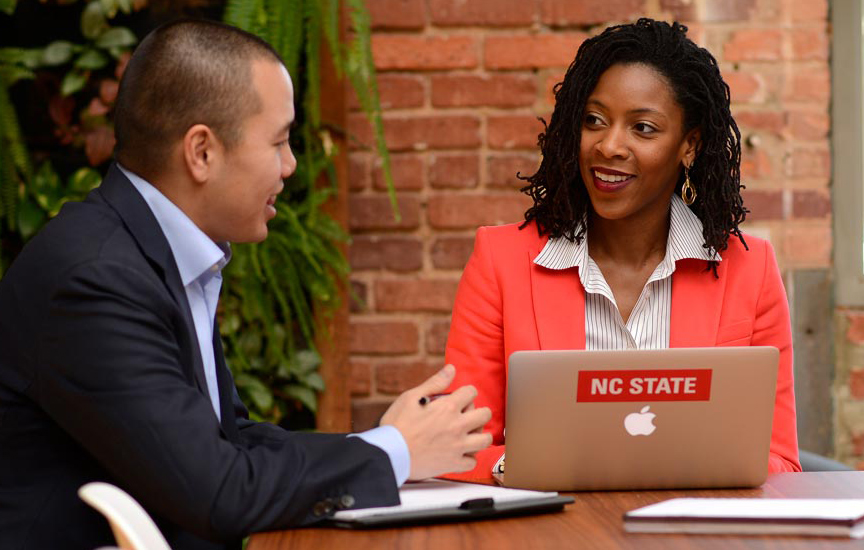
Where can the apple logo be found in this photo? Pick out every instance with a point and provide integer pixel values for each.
(641, 423)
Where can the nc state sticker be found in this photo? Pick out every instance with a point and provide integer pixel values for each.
(604, 386)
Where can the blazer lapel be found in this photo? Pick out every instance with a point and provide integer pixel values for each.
(119, 192)
(559, 306)
(697, 300)
(226, 388)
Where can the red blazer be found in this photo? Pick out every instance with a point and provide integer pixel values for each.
(506, 303)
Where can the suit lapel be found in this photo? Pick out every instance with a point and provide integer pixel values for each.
(119, 192)
(559, 306)
(226, 388)
(697, 300)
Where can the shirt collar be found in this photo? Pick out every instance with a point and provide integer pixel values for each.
(194, 252)
(685, 241)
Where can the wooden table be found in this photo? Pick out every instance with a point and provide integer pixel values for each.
(593, 521)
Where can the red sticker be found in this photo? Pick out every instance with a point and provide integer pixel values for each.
(603, 386)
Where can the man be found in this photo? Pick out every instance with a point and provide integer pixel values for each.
(111, 366)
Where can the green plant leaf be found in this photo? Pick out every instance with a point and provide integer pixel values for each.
(304, 395)
(30, 218)
(83, 180)
(29, 57)
(116, 37)
(57, 53)
(109, 8)
(8, 6)
(260, 394)
(73, 82)
(93, 21)
(314, 381)
(10, 74)
(91, 59)
(46, 188)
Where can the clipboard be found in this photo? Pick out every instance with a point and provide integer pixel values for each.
(445, 501)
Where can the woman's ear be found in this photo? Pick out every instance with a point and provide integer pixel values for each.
(690, 147)
(201, 151)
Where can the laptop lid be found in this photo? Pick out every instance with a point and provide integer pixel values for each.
(640, 419)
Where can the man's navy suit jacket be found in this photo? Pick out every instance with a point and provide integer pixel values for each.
(101, 379)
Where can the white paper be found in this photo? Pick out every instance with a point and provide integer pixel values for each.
(435, 494)
(754, 508)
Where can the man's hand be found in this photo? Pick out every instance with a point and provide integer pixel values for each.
(443, 435)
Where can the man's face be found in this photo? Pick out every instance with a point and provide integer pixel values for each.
(242, 192)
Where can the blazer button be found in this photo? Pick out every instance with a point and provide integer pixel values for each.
(345, 501)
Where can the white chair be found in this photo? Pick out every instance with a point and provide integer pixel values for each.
(132, 526)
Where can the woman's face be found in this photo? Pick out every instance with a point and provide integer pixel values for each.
(633, 143)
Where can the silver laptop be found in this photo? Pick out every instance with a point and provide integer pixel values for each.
(639, 419)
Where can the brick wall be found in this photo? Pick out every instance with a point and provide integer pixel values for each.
(462, 82)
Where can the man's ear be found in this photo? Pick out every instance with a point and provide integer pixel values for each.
(201, 151)
(690, 147)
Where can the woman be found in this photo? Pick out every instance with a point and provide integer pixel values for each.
(633, 239)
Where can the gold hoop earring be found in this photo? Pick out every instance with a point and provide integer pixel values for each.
(688, 192)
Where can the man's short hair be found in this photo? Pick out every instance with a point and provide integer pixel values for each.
(184, 73)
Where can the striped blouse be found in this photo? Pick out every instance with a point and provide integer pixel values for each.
(648, 324)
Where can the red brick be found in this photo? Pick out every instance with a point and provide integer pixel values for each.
(452, 252)
(520, 51)
(744, 87)
(571, 13)
(811, 10)
(809, 163)
(396, 14)
(500, 90)
(404, 133)
(497, 13)
(407, 171)
(394, 377)
(811, 204)
(456, 171)
(856, 383)
(366, 415)
(808, 246)
(810, 44)
(754, 45)
(358, 171)
(513, 131)
(374, 212)
(436, 337)
(395, 92)
(855, 332)
(502, 169)
(401, 52)
(809, 85)
(471, 211)
(680, 10)
(766, 121)
(763, 205)
(383, 337)
(858, 444)
(806, 125)
(361, 377)
(393, 253)
(755, 164)
(415, 295)
(359, 297)
(728, 10)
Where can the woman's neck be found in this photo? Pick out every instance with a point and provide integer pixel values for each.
(629, 242)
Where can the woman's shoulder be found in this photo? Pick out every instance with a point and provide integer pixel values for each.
(756, 250)
(511, 234)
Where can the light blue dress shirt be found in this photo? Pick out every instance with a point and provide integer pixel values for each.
(200, 262)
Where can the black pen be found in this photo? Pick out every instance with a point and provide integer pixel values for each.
(426, 399)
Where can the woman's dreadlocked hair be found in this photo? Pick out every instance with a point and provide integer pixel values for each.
(559, 194)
